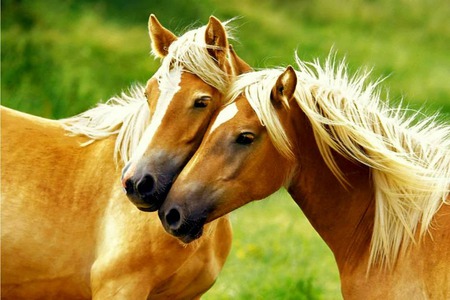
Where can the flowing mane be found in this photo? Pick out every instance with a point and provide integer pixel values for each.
(409, 159)
(128, 115)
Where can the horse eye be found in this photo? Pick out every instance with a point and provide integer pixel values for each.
(245, 138)
(202, 102)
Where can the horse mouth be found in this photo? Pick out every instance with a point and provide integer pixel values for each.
(149, 202)
(192, 236)
(147, 209)
(189, 231)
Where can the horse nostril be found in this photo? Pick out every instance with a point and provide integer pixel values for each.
(173, 219)
(145, 186)
(129, 188)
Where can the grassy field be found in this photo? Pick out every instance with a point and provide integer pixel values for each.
(61, 57)
(276, 254)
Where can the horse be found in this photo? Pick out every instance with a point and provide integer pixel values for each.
(372, 180)
(68, 229)
(209, 64)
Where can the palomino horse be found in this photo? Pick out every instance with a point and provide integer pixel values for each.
(68, 230)
(188, 88)
(373, 182)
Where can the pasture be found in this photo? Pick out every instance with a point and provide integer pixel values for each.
(59, 59)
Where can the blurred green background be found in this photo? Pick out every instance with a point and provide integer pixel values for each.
(59, 58)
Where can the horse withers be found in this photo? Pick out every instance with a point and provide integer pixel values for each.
(372, 181)
(68, 230)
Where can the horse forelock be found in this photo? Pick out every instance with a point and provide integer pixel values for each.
(256, 86)
(190, 51)
(409, 160)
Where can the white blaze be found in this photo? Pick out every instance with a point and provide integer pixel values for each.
(225, 115)
(169, 85)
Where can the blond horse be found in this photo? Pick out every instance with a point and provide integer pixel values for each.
(373, 182)
(68, 230)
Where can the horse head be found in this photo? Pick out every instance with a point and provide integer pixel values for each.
(238, 160)
(183, 94)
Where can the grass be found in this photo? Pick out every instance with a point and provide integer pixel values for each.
(276, 254)
(61, 57)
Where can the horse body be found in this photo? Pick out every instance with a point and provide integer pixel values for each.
(373, 185)
(69, 231)
(94, 237)
(30, 141)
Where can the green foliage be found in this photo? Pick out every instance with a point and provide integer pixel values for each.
(61, 57)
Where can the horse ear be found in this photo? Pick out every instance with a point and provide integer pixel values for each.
(284, 88)
(240, 66)
(161, 37)
(216, 39)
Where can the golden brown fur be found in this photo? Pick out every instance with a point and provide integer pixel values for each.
(68, 228)
(253, 164)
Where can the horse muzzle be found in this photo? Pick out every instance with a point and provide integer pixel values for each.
(175, 222)
(144, 193)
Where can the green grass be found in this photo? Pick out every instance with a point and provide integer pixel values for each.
(276, 254)
(61, 57)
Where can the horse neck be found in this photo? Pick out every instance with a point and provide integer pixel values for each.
(343, 216)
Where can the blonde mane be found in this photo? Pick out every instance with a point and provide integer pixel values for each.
(129, 115)
(409, 159)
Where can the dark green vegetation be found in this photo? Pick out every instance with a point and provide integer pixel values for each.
(61, 57)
